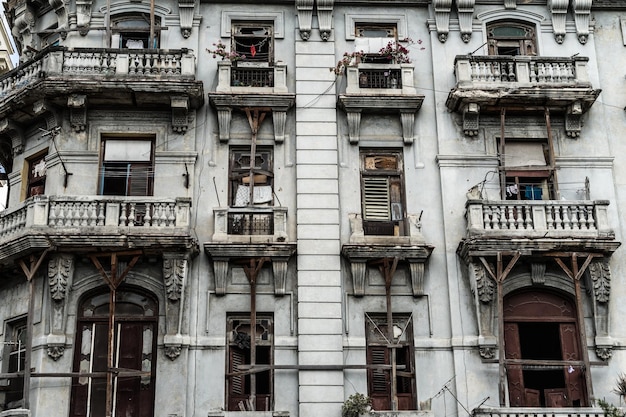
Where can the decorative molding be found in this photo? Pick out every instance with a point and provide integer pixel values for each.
(60, 274)
(604, 352)
(485, 286)
(185, 12)
(558, 9)
(416, 270)
(55, 351)
(487, 352)
(305, 16)
(538, 273)
(354, 125)
(573, 119)
(325, 17)
(510, 4)
(60, 8)
(279, 118)
(442, 18)
(465, 9)
(400, 20)
(180, 111)
(359, 276)
(220, 274)
(279, 268)
(174, 277)
(224, 116)
(77, 104)
(600, 274)
(173, 351)
(582, 10)
(228, 16)
(83, 14)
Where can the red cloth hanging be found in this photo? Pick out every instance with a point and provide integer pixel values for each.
(252, 50)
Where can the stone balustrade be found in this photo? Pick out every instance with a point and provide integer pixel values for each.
(380, 79)
(250, 224)
(538, 218)
(91, 62)
(97, 213)
(251, 79)
(538, 412)
(498, 70)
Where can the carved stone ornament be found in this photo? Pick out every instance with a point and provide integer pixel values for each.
(174, 277)
(558, 8)
(484, 290)
(78, 112)
(600, 275)
(185, 11)
(180, 109)
(465, 9)
(442, 18)
(173, 351)
(60, 269)
(471, 117)
(605, 352)
(60, 8)
(573, 120)
(325, 17)
(55, 351)
(582, 10)
(538, 273)
(485, 286)
(175, 268)
(83, 14)
(15, 132)
(487, 352)
(305, 16)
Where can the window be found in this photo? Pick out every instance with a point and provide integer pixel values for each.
(527, 170)
(255, 41)
(382, 193)
(134, 333)
(371, 38)
(383, 345)
(511, 38)
(133, 32)
(14, 359)
(127, 167)
(248, 391)
(544, 364)
(36, 175)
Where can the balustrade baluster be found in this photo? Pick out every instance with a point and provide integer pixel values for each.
(509, 217)
(528, 218)
(131, 215)
(52, 215)
(576, 212)
(123, 217)
(570, 72)
(474, 71)
(100, 215)
(567, 221)
(486, 217)
(550, 217)
(163, 219)
(496, 216)
(171, 218)
(519, 217)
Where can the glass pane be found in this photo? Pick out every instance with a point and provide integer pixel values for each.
(128, 150)
(509, 31)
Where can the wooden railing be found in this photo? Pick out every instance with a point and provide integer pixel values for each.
(497, 70)
(539, 218)
(91, 62)
(99, 213)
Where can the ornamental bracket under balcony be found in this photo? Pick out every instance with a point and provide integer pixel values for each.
(527, 84)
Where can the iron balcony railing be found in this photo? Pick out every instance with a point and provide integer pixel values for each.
(248, 78)
(237, 224)
(380, 79)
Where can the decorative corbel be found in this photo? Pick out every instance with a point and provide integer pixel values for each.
(185, 11)
(60, 8)
(224, 115)
(280, 121)
(558, 8)
(325, 17)
(60, 274)
(305, 16)
(77, 104)
(471, 116)
(175, 267)
(442, 18)
(510, 4)
(220, 273)
(416, 270)
(582, 10)
(83, 15)
(15, 132)
(354, 125)
(573, 119)
(279, 268)
(599, 287)
(465, 9)
(359, 276)
(407, 118)
(484, 290)
(23, 26)
(44, 109)
(180, 110)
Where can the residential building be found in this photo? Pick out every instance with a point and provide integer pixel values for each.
(227, 208)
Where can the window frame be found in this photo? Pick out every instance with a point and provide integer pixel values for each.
(525, 44)
(131, 166)
(36, 186)
(15, 330)
(136, 33)
(527, 182)
(372, 200)
(236, 355)
(237, 175)
(237, 38)
(375, 43)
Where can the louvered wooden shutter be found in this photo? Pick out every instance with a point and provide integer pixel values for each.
(514, 372)
(237, 385)
(379, 378)
(139, 180)
(376, 200)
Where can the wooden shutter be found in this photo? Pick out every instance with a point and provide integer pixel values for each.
(376, 199)
(379, 380)
(574, 380)
(514, 372)
(139, 180)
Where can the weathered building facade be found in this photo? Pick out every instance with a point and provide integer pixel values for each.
(219, 208)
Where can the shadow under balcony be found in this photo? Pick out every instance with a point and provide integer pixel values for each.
(95, 223)
(77, 77)
(537, 412)
(537, 226)
(380, 88)
(487, 84)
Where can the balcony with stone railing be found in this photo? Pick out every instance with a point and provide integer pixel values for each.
(538, 412)
(539, 225)
(523, 83)
(243, 77)
(68, 76)
(250, 224)
(81, 223)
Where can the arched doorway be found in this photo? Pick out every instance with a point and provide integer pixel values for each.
(544, 361)
(134, 333)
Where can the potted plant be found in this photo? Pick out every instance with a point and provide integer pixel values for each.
(356, 405)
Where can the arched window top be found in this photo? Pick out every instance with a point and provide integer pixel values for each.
(128, 303)
(511, 38)
(538, 305)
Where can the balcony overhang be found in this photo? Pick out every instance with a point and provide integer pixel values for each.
(276, 103)
(404, 105)
(224, 254)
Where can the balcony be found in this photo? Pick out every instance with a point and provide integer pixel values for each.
(120, 77)
(250, 224)
(540, 224)
(88, 222)
(243, 77)
(538, 412)
(487, 84)
(381, 88)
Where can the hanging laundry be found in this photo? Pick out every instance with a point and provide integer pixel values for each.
(511, 190)
(252, 50)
